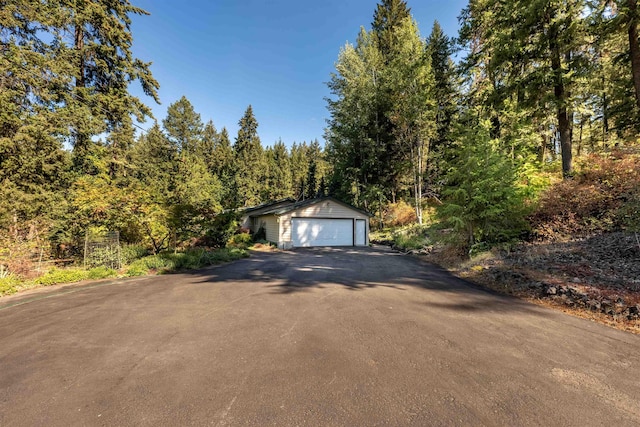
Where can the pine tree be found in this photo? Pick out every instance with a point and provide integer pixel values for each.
(206, 148)
(183, 126)
(389, 14)
(445, 92)
(299, 166)
(322, 189)
(311, 182)
(101, 77)
(482, 202)
(249, 161)
(155, 161)
(278, 183)
(224, 168)
(530, 54)
(411, 86)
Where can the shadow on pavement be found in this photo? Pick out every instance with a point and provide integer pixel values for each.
(358, 269)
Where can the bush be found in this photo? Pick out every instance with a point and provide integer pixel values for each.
(399, 214)
(382, 237)
(101, 273)
(130, 253)
(411, 238)
(220, 229)
(9, 284)
(240, 241)
(56, 276)
(194, 258)
(137, 268)
(482, 201)
(261, 234)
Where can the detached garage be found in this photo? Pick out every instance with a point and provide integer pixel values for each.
(323, 221)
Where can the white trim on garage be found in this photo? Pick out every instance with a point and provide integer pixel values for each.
(361, 232)
(310, 232)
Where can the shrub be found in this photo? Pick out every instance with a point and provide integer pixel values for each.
(240, 241)
(137, 268)
(67, 275)
(9, 284)
(130, 253)
(261, 234)
(194, 258)
(399, 214)
(382, 237)
(482, 202)
(158, 262)
(411, 238)
(220, 229)
(101, 273)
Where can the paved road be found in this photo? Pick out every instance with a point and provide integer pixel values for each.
(311, 337)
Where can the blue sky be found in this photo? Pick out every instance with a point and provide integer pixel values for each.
(275, 55)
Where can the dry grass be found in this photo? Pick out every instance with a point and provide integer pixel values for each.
(598, 268)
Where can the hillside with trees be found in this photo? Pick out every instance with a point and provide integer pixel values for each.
(522, 127)
(75, 162)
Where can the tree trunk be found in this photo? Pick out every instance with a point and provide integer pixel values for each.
(79, 45)
(82, 139)
(419, 186)
(543, 148)
(634, 47)
(562, 114)
(579, 151)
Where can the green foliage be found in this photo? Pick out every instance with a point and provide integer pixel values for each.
(70, 275)
(55, 276)
(101, 273)
(249, 160)
(242, 240)
(389, 14)
(220, 229)
(184, 127)
(136, 268)
(383, 112)
(482, 202)
(132, 252)
(411, 238)
(9, 284)
(167, 262)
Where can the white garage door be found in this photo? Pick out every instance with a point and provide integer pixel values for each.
(322, 232)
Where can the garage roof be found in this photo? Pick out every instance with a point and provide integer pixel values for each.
(280, 208)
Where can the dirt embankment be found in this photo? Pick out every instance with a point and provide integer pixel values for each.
(596, 278)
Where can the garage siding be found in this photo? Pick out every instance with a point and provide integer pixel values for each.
(325, 209)
(270, 224)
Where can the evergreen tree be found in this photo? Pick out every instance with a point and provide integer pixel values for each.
(223, 154)
(207, 147)
(413, 114)
(278, 182)
(322, 189)
(249, 161)
(439, 47)
(311, 182)
(528, 53)
(389, 14)
(183, 126)
(155, 161)
(224, 168)
(482, 202)
(299, 168)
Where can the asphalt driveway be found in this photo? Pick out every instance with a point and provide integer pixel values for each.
(308, 337)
